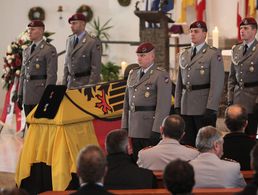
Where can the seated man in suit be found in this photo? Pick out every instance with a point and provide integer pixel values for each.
(122, 172)
(169, 148)
(210, 171)
(251, 188)
(179, 177)
(237, 144)
(91, 168)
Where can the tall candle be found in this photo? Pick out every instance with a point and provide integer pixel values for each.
(215, 37)
(123, 67)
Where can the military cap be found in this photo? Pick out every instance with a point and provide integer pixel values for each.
(249, 21)
(77, 16)
(199, 24)
(145, 47)
(36, 23)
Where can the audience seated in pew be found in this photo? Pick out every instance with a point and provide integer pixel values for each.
(237, 144)
(122, 172)
(169, 148)
(251, 188)
(210, 171)
(179, 177)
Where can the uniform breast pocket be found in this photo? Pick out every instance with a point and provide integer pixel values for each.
(202, 68)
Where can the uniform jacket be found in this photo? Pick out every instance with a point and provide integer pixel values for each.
(153, 89)
(157, 157)
(237, 146)
(244, 69)
(43, 61)
(124, 174)
(90, 189)
(205, 68)
(212, 172)
(85, 57)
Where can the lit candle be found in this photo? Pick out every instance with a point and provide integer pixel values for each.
(215, 37)
(123, 67)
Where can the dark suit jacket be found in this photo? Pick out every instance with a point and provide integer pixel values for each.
(237, 146)
(91, 189)
(251, 188)
(124, 174)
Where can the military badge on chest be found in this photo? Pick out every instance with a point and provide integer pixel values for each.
(147, 92)
(251, 67)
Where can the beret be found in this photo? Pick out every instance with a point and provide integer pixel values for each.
(249, 21)
(36, 23)
(199, 24)
(145, 47)
(77, 16)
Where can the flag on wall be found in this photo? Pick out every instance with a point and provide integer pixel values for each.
(241, 13)
(184, 5)
(251, 10)
(200, 7)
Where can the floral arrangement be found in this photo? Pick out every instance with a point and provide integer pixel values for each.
(13, 58)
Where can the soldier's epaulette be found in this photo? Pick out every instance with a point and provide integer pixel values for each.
(70, 35)
(188, 146)
(214, 48)
(236, 45)
(160, 68)
(92, 35)
(136, 68)
(230, 160)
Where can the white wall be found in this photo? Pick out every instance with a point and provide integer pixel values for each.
(14, 18)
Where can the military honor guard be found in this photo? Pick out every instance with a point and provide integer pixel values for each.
(39, 68)
(243, 76)
(199, 84)
(147, 100)
(83, 55)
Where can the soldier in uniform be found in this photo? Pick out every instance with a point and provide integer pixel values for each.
(210, 171)
(199, 84)
(39, 68)
(243, 75)
(147, 100)
(83, 55)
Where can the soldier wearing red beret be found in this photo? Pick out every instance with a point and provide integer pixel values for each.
(39, 67)
(243, 76)
(199, 84)
(83, 55)
(147, 100)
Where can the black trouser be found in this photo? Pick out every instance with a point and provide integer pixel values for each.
(192, 126)
(251, 128)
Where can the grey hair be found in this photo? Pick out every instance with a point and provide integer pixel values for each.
(206, 138)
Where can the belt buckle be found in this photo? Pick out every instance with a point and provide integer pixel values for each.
(188, 87)
(241, 85)
(132, 108)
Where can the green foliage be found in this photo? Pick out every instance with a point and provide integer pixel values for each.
(110, 71)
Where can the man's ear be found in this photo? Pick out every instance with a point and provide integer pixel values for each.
(161, 129)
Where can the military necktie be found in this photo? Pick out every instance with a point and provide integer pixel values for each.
(32, 48)
(245, 49)
(76, 41)
(194, 53)
(141, 74)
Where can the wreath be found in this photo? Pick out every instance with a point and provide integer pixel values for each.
(87, 11)
(37, 13)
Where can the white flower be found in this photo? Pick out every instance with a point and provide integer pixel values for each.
(24, 46)
(17, 72)
(9, 61)
(13, 56)
(7, 69)
(9, 49)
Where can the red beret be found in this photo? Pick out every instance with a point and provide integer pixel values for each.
(77, 16)
(199, 24)
(249, 21)
(36, 23)
(145, 48)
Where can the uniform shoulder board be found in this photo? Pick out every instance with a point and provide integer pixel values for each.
(236, 45)
(230, 160)
(160, 68)
(214, 48)
(70, 35)
(188, 146)
(136, 68)
(92, 35)
(188, 47)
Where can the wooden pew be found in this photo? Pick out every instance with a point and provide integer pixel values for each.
(204, 191)
(248, 175)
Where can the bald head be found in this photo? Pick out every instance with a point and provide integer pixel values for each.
(236, 118)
